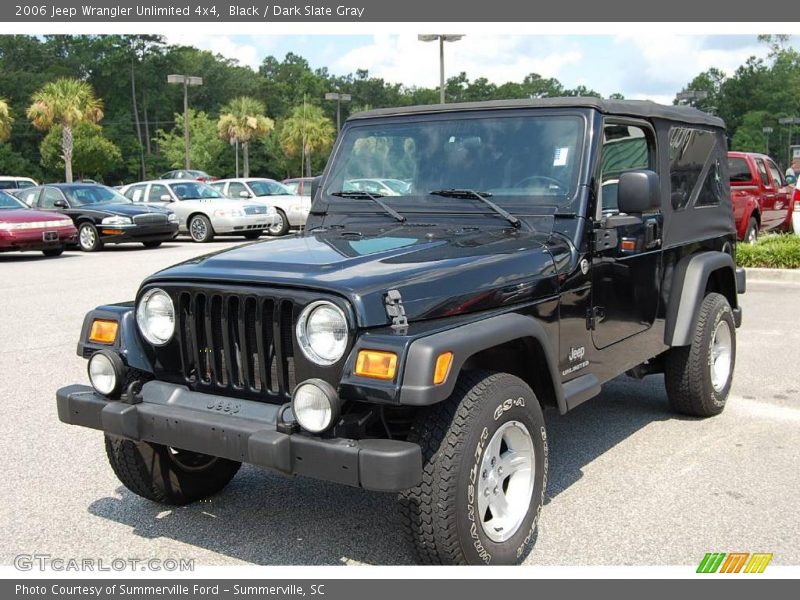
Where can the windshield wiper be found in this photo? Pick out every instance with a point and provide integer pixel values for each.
(375, 198)
(483, 197)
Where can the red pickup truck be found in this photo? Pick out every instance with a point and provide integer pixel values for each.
(762, 200)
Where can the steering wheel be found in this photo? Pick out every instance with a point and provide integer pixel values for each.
(523, 183)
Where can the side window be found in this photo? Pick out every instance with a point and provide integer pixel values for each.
(777, 176)
(762, 172)
(135, 193)
(49, 197)
(30, 197)
(156, 191)
(738, 170)
(625, 148)
(220, 187)
(711, 192)
(235, 188)
(689, 152)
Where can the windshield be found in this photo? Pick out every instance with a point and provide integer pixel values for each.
(263, 187)
(93, 194)
(8, 201)
(194, 190)
(524, 160)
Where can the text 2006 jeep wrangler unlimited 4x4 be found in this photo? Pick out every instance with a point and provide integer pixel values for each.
(463, 267)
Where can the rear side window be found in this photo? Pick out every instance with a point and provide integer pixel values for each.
(135, 193)
(711, 192)
(739, 171)
(690, 154)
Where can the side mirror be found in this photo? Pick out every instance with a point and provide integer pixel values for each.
(244, 194)
(166, 198)
(60, 204)
(638, 192)
(315, 186)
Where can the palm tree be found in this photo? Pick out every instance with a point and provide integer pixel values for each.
(5, 120)
(242, 120)
(305, 132)
(65, 102)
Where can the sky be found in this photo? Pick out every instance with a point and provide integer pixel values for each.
(651, 66)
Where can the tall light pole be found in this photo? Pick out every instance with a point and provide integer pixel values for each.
(766, 131)
(790, 121)
(689, 96)
(339, 99)
(186, 81)
(442, 38)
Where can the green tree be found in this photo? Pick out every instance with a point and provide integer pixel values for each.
(306, 133)
(65, 102)
(206, 147)
(93, 155)
(750, 136)
(243, 120)
(6, 120)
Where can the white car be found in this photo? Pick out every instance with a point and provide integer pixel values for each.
(292, 209)
(201, 210)
(384, 187)
(9, 183)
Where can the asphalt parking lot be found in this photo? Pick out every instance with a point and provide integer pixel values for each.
(630, 483)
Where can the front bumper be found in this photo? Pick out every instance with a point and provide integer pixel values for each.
(244, 431)
(114, 234)
(242, 224)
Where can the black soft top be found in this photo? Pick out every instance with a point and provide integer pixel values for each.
(630, 108)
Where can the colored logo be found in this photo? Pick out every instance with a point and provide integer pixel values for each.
(734, 562)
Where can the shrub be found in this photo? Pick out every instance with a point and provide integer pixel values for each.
(772, 251)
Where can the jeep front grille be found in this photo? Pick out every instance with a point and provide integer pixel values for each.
(233, 343)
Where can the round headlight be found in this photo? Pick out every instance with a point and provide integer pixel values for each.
(156, 317)
(322, 332)
(104, 374)
(315, 405)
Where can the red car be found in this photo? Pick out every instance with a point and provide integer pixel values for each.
(24, 229)
(762, 200)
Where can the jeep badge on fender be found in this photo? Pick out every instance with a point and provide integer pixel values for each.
(464, 269)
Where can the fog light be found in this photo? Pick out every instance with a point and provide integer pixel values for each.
(315, 405)
(106, 373)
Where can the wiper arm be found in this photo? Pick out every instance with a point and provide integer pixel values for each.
(376, 199)
(483, 197)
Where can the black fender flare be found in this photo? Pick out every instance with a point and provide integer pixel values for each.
(464, 342)
(128, 345)
(687, 291)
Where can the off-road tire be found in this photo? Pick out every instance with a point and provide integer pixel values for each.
(150, 471)
(53, 251)
(440, 516)
(687, 374)
(151, 244)
(751, 233)
(202, 234)
(284, 229)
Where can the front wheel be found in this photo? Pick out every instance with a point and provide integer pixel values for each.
(200, 229)
(88, 238)
(167, 475)
(698, 377)
(281, 224)
(484, 473)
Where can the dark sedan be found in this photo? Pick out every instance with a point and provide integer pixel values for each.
(104, 216)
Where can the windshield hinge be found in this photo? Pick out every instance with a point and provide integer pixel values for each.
(395, 310)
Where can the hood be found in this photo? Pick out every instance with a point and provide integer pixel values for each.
(26, 215)
(438, 272)
(125, 210)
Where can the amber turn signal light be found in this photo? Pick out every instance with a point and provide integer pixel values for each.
(103, 331)
(376, 364)
(443, 362)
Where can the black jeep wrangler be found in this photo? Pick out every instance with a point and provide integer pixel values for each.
(464, 266)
